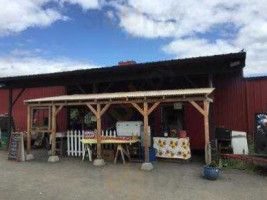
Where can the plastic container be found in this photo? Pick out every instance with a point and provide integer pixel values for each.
(152, 154)
(182, 134)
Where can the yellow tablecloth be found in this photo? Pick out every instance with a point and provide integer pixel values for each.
(109, 141)
(172, 147)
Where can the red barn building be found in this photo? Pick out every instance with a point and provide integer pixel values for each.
(236, 99)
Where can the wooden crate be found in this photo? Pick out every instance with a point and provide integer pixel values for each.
(108, 154)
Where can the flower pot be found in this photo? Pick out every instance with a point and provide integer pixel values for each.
(211, 173)
(182, 134)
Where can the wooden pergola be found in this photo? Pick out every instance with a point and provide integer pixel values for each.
(144, 101)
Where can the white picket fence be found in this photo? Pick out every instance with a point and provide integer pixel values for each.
(74, 145)
(76, 148)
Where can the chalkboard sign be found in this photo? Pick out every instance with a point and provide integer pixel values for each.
(15, 146)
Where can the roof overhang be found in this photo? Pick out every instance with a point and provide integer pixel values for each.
(126, 97)
(216, 64)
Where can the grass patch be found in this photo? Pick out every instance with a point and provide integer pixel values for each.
(245, 166)
(237, 164)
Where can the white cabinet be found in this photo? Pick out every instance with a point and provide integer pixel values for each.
(129, 128)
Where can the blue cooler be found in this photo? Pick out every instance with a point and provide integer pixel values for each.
(152, 154)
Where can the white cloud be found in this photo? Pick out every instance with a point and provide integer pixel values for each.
(196, 27)
(192, 46)
(18, 15)
(21, 65)
(201, 27)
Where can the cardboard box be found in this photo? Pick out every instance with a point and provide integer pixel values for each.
(108, 155)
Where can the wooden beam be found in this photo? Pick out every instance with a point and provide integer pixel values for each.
(166, 100)
(59, 109)
(9, 122)
(98, 116)
(49, 118)
(201, 110)
(138, 108)
(146, 137)
(92, 109)
(155, 105)
(207, 136)
(53, 134)
(206, 116)
(28, 129)
(104, 109)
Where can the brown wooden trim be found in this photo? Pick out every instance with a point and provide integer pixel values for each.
(201, 110)
(53, 136)
(153, 107)
(28, 129)
(138, 108)
(99, 130)
(163, 100)
(59, 109)
(146, 138)
(92, 109)
(106, 107)
(41, 131)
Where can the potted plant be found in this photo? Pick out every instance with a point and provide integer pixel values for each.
(211, 171)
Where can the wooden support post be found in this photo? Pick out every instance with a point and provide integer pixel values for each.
(146, 136)
(28, 129)
(9, 123)
(53, 134)
(98, 116)
(207, 136)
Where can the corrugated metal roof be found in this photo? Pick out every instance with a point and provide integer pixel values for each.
(206, 59)
(120, 95)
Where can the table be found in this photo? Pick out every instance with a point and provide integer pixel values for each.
(89, 142)
(172, 147)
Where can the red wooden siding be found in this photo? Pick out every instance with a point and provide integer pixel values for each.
(194, 124)
(230, 102)
(20, 110)
(256, 99)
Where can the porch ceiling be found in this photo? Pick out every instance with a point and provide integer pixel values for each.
(125, 96)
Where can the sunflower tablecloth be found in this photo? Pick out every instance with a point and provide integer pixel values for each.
(172, 147)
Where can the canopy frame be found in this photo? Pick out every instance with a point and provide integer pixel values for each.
(101, 104)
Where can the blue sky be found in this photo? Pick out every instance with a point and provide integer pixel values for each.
(40, 36)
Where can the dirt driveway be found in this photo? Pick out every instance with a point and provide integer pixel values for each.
(72, 179)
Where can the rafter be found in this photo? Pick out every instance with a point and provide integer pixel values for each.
(201, 110)
(138, 108)
(92, 109)
(155, 105)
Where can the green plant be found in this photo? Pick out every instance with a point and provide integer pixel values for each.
(213, 164)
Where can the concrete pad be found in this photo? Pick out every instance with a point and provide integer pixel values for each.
(99, 162)
(53, 159)
(29, 157)
(147, 166)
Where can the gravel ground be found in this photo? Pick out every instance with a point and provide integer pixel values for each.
(72, 179)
